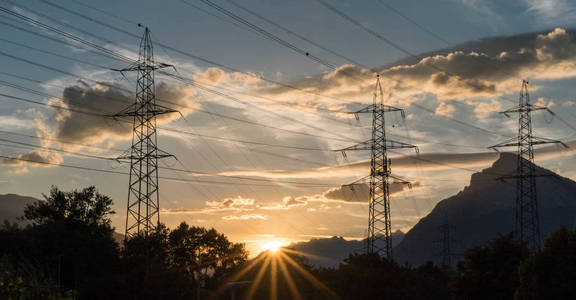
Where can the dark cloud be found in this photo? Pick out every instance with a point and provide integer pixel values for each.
(361, 192)
(106, 99)
(75, 126)
(424, 161)
(484, 68)
(36, 157)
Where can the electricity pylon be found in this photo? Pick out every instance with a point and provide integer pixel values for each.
(527, 225)
(379, 238)
(143, 213)
(446, 243)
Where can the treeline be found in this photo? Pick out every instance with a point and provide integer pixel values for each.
(69, 251)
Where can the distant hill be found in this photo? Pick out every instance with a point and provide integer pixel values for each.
(485, 209)
(330, 252)
(12, 207)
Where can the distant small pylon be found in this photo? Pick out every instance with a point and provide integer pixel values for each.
(446, 242)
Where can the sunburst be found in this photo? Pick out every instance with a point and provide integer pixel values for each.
(275, 262)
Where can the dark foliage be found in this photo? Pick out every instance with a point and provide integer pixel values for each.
(70, 239)
(373, 277)
(551, 272)
(490, 271)
(68, 251)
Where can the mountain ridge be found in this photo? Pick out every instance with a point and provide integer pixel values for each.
(484, 209)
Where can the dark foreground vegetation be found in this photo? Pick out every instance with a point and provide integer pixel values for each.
(69, 251)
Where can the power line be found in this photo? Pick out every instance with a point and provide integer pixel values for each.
(363, 27)
(23, 145)
(176, 104)
(170, 129)
(125, 173)
(105, 12)
(94, 114)
(59, 141)
(413, 22)
(291, 32)
(178, 77)
(267, 34)
(196, 57)
(460, 122)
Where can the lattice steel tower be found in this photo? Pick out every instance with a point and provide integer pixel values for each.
(379, 238)
(142, 214)
(527, 226)
(446, 243)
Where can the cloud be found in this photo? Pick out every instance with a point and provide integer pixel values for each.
(551, 11)
(361, 192)
(290, 201)
(236, 204)
(106, 99)
(241, 205)
(490, 70)
(444, 109)
(38, 158)
(425, 161)
(244, 217)
(216, 76)
(484, 109)
(99, 99)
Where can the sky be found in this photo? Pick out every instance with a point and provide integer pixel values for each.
(264, 146)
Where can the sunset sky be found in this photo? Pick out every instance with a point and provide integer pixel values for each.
(451, 64)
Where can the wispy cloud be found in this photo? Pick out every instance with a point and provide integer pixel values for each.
(244, 217)
(425, 161)
(551, 11)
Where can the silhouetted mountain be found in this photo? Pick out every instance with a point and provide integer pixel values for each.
(12, 207)
(330, 252)
(485, 209)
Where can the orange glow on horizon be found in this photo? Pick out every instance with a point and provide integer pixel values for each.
(275, 263)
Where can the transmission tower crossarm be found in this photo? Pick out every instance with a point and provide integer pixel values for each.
(525, 108)
(136, 66)
(515, 142)
(372, 108)
(389, 144)
(135, 111)
(399, 180)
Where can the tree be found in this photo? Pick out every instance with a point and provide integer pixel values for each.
(198, 251)
(490, 271)
(71, 237)
(86, 207)
(369, 276)
(550, 273)
(169, 263)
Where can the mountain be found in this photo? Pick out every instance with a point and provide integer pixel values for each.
(330, 252)
(12, 207)
(485, 208)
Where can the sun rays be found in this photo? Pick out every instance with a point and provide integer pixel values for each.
(272, 246)
(275, 269)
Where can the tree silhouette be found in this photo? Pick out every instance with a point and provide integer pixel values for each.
(174, 264)
(490, 271)
(71, 238)
(551, 272)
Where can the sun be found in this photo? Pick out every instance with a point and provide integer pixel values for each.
(272, 246)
